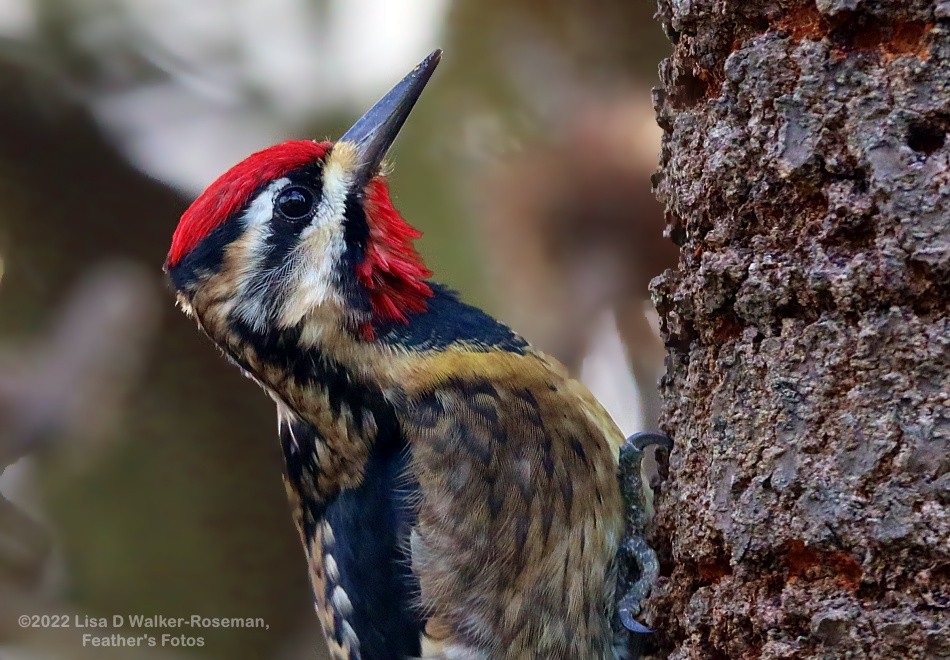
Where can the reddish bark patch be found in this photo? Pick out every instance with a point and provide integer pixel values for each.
(728, 327)
(853, 33)
(812, 564)
(713, 572)
(803, 21)
(895, 40)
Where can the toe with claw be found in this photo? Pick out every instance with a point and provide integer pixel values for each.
(637, 561)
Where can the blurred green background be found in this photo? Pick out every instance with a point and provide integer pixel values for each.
(153, 467)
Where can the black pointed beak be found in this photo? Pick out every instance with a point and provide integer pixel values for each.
(374, 133)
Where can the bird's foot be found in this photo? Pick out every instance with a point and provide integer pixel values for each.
(637, 561)
(645, 439)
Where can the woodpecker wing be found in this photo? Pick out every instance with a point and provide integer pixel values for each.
(357, 548)
(519, 510)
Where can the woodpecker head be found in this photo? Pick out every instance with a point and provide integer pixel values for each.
(307, 228)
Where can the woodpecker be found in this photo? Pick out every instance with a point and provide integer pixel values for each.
(455, 490)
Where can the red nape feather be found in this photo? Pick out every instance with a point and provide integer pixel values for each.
(391, 271)
(230, 191)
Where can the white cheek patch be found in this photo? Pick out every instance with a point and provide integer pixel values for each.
(261, 210)
(320, 249)
(336, 188)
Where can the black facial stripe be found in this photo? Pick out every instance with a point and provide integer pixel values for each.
(355, 227)
(280, 240)
(205, 257)
(355, 236)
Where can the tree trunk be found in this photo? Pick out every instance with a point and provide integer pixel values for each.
(805, 176)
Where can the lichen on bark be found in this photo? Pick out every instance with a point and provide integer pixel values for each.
(806, 177)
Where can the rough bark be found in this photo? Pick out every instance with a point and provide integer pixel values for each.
(805, 176)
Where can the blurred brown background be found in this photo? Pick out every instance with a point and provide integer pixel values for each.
(144, 474)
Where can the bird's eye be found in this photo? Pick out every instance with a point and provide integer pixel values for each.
(294, 203)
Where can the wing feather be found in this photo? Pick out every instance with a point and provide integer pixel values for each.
(519, 515)
(365, 593)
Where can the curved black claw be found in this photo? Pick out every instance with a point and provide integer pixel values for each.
(635, 591)
(633, 625)
(645, 439)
